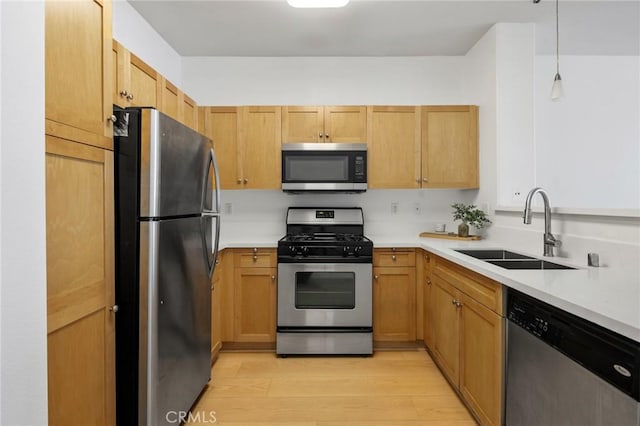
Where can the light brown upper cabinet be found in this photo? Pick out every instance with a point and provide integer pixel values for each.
(324, 124)
(136, 83)
(189, 112)
(246, 141)
(171, 101)
(260, 138)
(78, 76)
(449, 147)
(393, 146)
(221, 126)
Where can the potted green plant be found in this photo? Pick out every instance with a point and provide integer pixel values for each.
(470, 215)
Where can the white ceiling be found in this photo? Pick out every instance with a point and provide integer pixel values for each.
(386, 28)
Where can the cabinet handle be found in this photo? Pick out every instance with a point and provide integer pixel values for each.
(239, 181)
(393, 249)
(124, 93)
(255, 258)
(320, 135)
(112, 118)
(453, 301)
(425, 180)
(130, 96)
(426, 257)
(273, 277)
(114, 308)
(255, 249)
(418, 180)
(246, 180)
(376, 277)
(326, 136)
(458, 304)
(428, 282)
(393, 258)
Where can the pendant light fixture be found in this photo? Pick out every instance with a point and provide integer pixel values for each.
(317, 3)
(556, 90)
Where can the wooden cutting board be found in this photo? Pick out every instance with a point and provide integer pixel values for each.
(449, 236)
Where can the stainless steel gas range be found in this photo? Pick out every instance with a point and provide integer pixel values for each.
(325, 283)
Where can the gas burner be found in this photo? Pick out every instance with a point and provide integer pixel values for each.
(325, 235)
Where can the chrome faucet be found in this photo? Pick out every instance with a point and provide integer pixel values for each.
(549, 240)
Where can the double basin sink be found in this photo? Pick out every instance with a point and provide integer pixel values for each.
(510, 260)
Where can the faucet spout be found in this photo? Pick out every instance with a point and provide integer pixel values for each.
(548, 239)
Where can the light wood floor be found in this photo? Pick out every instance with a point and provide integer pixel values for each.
(393, 388)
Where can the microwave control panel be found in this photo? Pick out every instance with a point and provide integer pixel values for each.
(359, 168)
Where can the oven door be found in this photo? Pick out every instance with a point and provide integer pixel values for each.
(324, 295)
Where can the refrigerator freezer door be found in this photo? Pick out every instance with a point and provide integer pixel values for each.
(174, 163)
(175, 318)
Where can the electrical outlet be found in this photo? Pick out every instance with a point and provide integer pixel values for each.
(228, 208)
(394, 207)
(516, 195)
(417, 208)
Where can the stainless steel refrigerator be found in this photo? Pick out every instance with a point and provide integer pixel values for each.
(167, 229)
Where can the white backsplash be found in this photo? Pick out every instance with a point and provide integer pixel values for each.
(260, 214)
(256, 212)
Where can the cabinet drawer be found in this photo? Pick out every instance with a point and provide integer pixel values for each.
(255, 258)
(484, 290)
(394, 257)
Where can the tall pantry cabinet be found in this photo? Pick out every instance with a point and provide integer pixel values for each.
(79, 216)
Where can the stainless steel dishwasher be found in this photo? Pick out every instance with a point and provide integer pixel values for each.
(563, 370)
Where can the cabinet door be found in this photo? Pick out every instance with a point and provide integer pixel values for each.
(78, 55)
(135, 82)
(189, 112)
(144, 83)
(255, 305)
(170, 99)
(427, 326)
(345, 124)
(260, 130)
(481, 360)
(216, 307)
(394, 304)
(394, 147)
(446, 328)
(80, 283)
(450, 147)
(221, 126)
(302, 124)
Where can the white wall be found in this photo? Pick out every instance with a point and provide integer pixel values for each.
(23, 309)
(515, 50)
(324, 81)
(588, 144)
(521, 105)
(132, 31)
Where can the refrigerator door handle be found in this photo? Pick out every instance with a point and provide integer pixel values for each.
(213, 161)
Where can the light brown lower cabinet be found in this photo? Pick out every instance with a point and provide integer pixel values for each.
(216, 306)
(394, 295)
(468, 337)
(249, 296)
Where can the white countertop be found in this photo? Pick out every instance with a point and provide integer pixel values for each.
(605, 296)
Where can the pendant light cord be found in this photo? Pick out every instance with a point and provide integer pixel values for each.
(557, 42)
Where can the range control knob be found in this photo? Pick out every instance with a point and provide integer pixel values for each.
(345, 251)
(292, 251)
(304, 250)
(357, 250)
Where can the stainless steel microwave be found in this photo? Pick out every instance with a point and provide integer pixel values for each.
(337, 167)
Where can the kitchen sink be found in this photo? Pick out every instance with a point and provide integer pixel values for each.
(528, 264)
(511, 260)
(495, 254)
